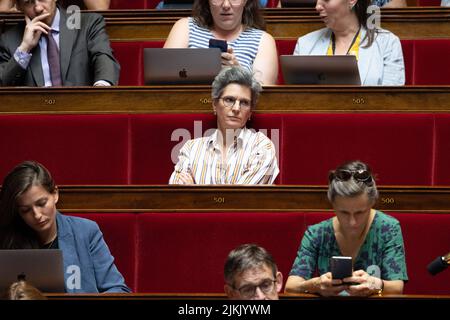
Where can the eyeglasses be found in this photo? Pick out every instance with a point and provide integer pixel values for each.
(229, 102)
(360, 175)
(232, 2)
(248, 291)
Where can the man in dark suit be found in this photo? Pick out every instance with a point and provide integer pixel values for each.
(80, 42)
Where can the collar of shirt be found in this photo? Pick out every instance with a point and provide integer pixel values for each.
(214, 142)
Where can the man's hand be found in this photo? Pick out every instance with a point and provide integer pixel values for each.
(33, 31)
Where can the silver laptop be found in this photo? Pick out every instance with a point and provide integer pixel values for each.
(181, 66)
(320, 69)
(43, 268)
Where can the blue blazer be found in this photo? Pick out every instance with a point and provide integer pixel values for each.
(380, 64)
(88, 264)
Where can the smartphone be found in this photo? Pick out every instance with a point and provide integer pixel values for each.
(341, 267)
(221, 44)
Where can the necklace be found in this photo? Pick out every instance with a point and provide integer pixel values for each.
(50, 244)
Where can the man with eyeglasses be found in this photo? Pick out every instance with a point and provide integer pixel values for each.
(251, 274)
(53, 47)
(232, 153)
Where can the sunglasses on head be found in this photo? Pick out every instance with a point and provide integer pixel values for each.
(359, 175)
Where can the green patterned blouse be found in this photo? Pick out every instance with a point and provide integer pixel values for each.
(382, 254)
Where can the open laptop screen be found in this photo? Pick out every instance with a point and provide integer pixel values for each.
(337, 69)
(42, 268)
(181, 66)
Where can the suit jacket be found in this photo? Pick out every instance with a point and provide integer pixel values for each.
(83, 247)
(380, 64)
(86, 55)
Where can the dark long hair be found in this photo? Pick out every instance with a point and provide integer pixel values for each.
(362, 15)
(251, 17)
(14, 232)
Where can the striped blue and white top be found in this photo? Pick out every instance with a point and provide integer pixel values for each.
(245, 47)
(250, 160)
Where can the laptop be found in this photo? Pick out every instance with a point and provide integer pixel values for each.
(177, 4)
(42, 268)
(298, 3)
(325, 70)
(181, 66)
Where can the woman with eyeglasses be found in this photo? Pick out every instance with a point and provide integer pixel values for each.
(352, 28)
(240, 24)
(230, 154)
(371, 238)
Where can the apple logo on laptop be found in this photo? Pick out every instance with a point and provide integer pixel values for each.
(183, 73)
(21, 276)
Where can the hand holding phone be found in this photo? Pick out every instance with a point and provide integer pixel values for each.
(221, 44)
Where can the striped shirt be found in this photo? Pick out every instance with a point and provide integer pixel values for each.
(245, 47)
(250, 160)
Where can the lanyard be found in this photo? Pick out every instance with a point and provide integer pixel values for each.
(333, 41)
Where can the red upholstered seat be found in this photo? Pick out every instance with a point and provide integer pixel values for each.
(442, 151)
(131, 59)
(398, 146)
(185, 252)
(284, 47)
(126, 4)
(426, 237)
(77, 149)
(119, 232)
(429, 3)
(156, 141)
(408, 58)
(129, 55)
(431, 62)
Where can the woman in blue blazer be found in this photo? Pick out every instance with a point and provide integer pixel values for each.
(29, 219)
(351, 30)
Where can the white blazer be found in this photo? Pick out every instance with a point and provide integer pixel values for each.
(380, 64)
(445, 3)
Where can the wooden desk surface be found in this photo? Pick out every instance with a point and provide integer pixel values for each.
(197, 99)
(238, 198)
(217, 296)
(407, 23)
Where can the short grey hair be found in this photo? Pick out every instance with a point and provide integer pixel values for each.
(237, 75)
(245, 257)
(352, 187)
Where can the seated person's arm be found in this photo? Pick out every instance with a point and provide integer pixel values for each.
(107, 276)
(179, 35)
(262, 167)
(323, 285)
(396, 4)
(265, 65)
(182, 173)
(370, 285)
(97, 4)
(394, 66)
(106, 68)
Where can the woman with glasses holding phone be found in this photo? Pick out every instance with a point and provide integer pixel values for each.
(230, 154)
(240, 24)
(371, 238)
